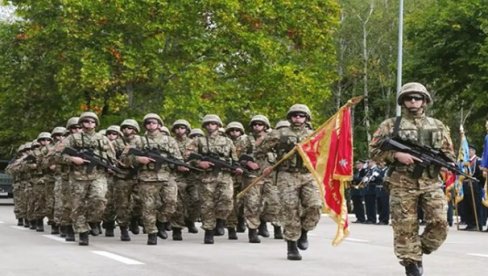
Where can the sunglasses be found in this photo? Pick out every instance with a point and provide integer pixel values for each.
(413, 97)
(89, 121)
(234, 129)
(150, 122)
(211, 123)
(299, 115)
(180, 127)
(76, 127)
(258, 124)
(44, 139)
(112, 133)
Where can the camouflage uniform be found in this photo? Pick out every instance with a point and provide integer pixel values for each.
(13, 169)
(216, 187)
(406, 192)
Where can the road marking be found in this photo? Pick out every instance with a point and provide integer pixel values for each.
(19, 227)
(1, 222)
(118, 258)
(356, 240)
(56, 238)
(478, 255)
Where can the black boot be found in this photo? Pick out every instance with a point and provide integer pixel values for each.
(26, 223)
(62, 231)
(109, 228)
(124, 234)
(20, 222)
(219, 228)
(253, 236)
(134, 226)
(161, 230)
(83, 238)
(278, 235)
(209, 237)
(177, 234)
(263, 229)
(54, 228)
(303, 240)
(70, 233)
(411, 269)
(293, 253)
(191, 227)
(232, 233)
(152, 239)
(33, 225)
(40, 225)
(94, 231)
(241, 225)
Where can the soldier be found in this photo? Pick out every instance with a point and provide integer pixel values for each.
(128, 206)
(88, 187)
(18, 189)
(357, 191)
(235, 221)
(157, 186)
(371, 180)
(188, 205)
(261, 203)
(299, 194)
(216, 187)
(407, 192)
(196, 132)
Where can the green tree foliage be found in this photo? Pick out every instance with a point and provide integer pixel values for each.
(124, 58)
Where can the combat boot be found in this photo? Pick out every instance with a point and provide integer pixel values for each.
(70, 233)
(26, 223)
(253, 236)
(278, 234)
(411, 269)
(232, 233)
(191, 227)
(134, 226)
(209, 237)
(263, 229)
(303, 240)
(241, 225)
(219, 228)
(40, 225)
(124, 234)
(54, 228)
(293, 253)
(152, 239)
(161, 230)
(33, 225)
(20, 222)
(109, 228)
(94, 231)
(177, 234)
(62, 231)
(83, 238)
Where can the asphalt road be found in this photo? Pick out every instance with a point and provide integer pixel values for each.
(367, 251)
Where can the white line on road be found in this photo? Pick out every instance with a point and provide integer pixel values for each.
(118, 258)
(1, 221)
(356, 240)
(478, 255)
(19, 227)
(59, 239)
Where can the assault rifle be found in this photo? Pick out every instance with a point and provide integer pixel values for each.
(428, 155)
(94, 159)
(244, 158)
(219, 164)
(160, 159)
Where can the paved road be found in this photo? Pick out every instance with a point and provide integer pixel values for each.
(367, 251)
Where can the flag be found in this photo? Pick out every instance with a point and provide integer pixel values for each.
(462, 160)
(328, 155)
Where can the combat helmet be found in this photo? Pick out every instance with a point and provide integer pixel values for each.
(260, 118)
(114, 128)
(130, 123)
(413, 87)
(165, 130)
(153, 116)
(196, 132)
(234, 125)
(58, 130)
(72, 121)
(211, 118)
(299, 108)
(181, 122)
(44, 135)
(282, 123)
(89, 114)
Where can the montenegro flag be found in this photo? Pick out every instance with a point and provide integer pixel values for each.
(328, 155)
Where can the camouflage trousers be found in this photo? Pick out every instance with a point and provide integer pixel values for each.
(62, 200)
(124, 204)
(238, 210)
(271, 205)
(300, 200)
(216, 192)
(406, 195)
(20, 199)
(49, 192)
(88, 199)
(109, 213)
(187, 201)
(252, 202)
(158, 202)
(29, 200)
(39, 197)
